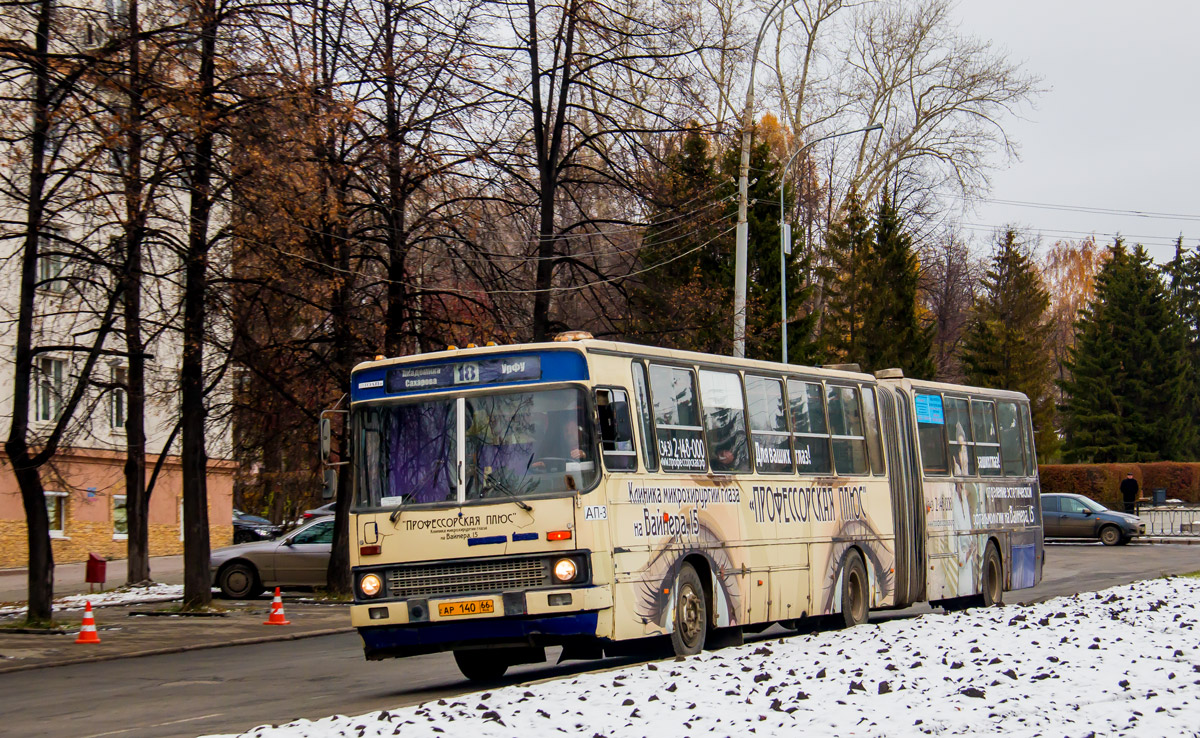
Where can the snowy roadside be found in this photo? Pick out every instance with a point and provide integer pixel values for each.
(119, 596)
(1125, 661)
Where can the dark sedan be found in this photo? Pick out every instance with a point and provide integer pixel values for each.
(247, 528)
(1076, 516)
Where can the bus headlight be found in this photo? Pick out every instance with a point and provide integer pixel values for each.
(565, 570)
(370, 585)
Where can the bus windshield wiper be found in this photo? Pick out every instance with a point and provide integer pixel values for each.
(495, 483)
(420, 483)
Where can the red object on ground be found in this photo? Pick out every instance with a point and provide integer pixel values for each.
(277, 617)
(95, 571)
(88, 634)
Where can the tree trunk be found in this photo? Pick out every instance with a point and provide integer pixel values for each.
(397, 292)
(545, 263)
(337, 575)
(197, 580)
(26, 470)
(137, 496)
(549, 124)
(41, 557)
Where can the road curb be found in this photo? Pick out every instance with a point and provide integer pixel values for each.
(179, 649)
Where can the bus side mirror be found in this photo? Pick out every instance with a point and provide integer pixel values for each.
(326, 434)
(624, 426)
(329, 491)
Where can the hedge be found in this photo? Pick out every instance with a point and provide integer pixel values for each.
(1101, 482)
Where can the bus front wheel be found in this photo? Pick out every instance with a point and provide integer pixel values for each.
(691, 613)
(481, 665)
(855, 602)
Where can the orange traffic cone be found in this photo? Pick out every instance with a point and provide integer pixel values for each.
(88, 634)
(277, 617)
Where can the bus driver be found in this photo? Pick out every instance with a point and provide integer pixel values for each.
(561, 442)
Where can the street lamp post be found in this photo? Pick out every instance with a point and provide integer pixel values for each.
(743, 227)
(783, 229)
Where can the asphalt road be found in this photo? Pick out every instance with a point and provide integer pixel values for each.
(233, 689)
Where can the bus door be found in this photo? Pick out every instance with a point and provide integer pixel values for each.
(906, 485)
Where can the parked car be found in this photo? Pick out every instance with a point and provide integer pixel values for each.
(1076, 516)
(316, 512)
(297, 559)
(248, 528)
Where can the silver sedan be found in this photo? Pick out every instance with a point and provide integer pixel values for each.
(297, 559)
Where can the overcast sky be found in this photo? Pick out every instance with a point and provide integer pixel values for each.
(1118, 127)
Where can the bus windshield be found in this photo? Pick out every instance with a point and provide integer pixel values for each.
(516, 444)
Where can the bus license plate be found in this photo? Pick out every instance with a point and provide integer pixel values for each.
(469, 607)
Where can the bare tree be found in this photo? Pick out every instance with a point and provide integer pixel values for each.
(52, 133)
(940, 96)
(948, 277)
(584, 86)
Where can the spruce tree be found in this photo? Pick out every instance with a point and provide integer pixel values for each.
(843, 276)
(892, 333)
(1130, 387)
(1007, 343)
(692, 268)
(1184, 272)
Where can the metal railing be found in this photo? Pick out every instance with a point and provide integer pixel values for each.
(1170, 520)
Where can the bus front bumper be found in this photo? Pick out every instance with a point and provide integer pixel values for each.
(538, 618)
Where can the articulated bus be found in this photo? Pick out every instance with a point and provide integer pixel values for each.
(592, 495)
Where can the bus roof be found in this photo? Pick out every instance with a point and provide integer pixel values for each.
(619, 348)
(965, 389)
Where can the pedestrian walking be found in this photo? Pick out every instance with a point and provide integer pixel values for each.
(1129, 493)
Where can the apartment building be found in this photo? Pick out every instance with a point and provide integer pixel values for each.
(84, 483)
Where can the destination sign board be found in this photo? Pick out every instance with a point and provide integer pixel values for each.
(464, 373)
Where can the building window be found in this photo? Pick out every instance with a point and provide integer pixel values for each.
(119, 398)
(119, 518)
(48, 388)
(56, 510)
(52, 262)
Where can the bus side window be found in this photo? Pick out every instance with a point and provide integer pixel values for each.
(1030, 447)
(810, 432)
(874, 439)
(987, 442)
(725, 421)
(616, 430)
(768, 425)
(677, 419)
(1012, 459)
(846, 428)
(962, 447)
(643, 411)
(931, 431)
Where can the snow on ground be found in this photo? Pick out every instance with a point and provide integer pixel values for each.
(1125, 661)
(119, 596)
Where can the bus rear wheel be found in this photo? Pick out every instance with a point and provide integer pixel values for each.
(481, 665)
(855, 602)
(993, 577)
(691, 613)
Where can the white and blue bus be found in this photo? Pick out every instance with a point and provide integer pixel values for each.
(592, 494)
